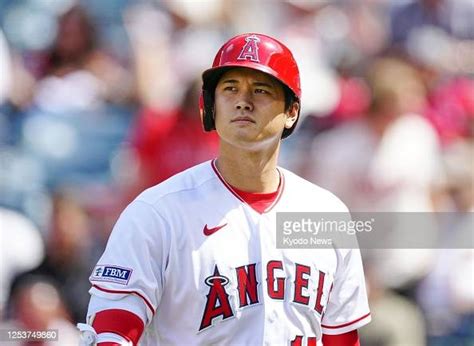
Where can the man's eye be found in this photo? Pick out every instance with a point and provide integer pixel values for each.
(261, 91)
(230, 88)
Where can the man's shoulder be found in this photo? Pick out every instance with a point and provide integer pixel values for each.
(187, 182)
(311, 194)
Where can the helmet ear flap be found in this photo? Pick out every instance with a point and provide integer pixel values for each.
(208, 110)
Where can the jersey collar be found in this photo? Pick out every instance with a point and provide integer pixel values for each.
(232, 190)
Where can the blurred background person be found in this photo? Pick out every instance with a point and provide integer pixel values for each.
(68, 251)
(446, 294)
(76, 74)
(390, 159)
(399, 321)
(169, 141)
(21, 248)
(37, 305)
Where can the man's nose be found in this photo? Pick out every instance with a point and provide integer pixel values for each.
(245, 103)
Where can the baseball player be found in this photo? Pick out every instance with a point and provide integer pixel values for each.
(193, 260)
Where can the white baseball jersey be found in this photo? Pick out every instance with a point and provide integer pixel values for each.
(200, 266)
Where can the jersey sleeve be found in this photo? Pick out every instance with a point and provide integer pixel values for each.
(348, 308)
(129, 302)
(134, 260)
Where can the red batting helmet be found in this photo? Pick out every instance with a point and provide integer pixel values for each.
(255, 51)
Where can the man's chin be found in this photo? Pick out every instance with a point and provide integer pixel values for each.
(253, 143)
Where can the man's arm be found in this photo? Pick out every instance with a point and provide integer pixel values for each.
(119, 322)
(115, 325)
(125, 289)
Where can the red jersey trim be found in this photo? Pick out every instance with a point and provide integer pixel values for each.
(121, 322)
(347, 339)
(277, 199)
(214, 167)
(148, 304)
(229, 187)
(345, 324)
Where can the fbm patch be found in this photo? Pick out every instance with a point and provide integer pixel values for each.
(110, 273)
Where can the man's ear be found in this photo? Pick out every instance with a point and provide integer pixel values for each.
(292, 115)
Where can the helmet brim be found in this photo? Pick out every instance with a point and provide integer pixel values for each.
(210, 77)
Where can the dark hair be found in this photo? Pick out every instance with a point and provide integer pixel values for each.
(79, 16)
(290, 97)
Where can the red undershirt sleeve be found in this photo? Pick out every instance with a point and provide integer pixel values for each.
(120, 322)
(346, 339)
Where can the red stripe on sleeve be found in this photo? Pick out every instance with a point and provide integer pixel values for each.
(346, 339)
(345, 324)
(121, 322)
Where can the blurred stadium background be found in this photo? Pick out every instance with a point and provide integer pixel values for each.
(98, 100)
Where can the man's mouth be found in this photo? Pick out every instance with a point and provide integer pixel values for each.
(243, 119)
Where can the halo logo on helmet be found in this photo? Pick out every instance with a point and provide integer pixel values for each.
(255, 51)
(250, 50)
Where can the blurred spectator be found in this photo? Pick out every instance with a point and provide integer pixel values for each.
(78, 75)
(457, 159)
(167, 142)
(369, 34)
(305, 32)
(67, 262)
(36, 304)
(172, 43)
(389, 160)
(149, 32)
(419, 26)
(447, 293)
(450, 109)
(80, 101)
(354, 100)
(396, 320)
(453, 16)
(21, 249)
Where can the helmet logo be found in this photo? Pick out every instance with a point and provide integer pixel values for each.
(250, 49)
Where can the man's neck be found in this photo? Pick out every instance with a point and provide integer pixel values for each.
(251, 171)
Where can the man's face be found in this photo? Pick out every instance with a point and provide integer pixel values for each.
(250, 109)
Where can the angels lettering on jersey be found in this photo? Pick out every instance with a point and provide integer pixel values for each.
(243, 288)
